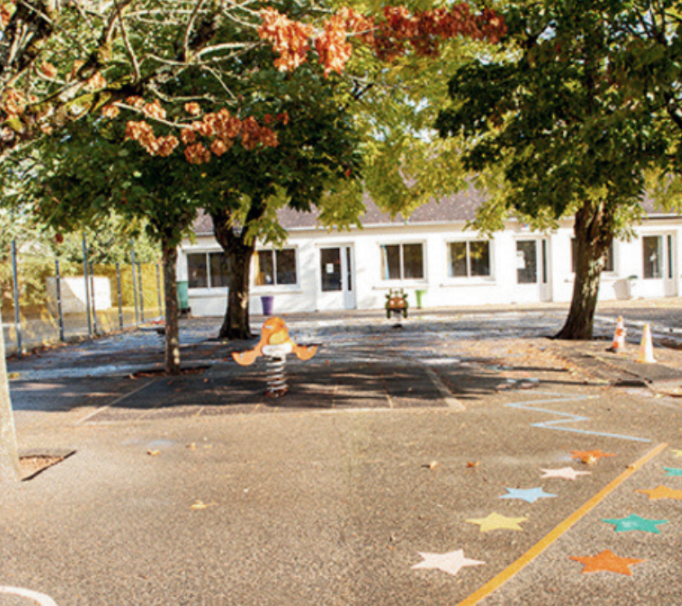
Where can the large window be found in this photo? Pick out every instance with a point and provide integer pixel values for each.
(652, 249)
(402, 262)
(207, 270)
(275, 267)
(608, 256)
(469, 259)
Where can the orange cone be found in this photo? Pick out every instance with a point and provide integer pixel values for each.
(646, 348)
(618, 338)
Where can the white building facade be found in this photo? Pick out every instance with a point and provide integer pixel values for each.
(432, 253)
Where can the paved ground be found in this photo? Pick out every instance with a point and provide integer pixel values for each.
(199, 490)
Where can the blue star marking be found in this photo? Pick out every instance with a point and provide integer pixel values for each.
(530, 495)
(635, 522)
(673, 471)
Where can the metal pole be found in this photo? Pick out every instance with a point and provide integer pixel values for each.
(17, 315)
(158, 290)
(92, 294)
(132, 261)
(120, 300)
(60, 311)
(140, 291)
(87, 286)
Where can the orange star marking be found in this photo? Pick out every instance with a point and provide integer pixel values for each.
(590, 456)
(663, 492)
(607, 560)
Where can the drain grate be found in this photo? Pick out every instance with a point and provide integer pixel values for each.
(32, 464)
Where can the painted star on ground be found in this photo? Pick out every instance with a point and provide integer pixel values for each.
(673, 471)
(663, 492)
(590, 456)
(496, 521)
(451, 562)
(635, 522)
(677, 454)
(567, 473)
(607, 560)
(530, 495)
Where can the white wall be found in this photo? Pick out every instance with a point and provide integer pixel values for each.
(442, 291)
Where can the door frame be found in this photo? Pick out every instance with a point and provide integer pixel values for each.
(347, 295)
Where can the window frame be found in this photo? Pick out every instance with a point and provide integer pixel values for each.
(275, 285)
(661, 261)
(209, 273)
(401, 261)
(469, 277)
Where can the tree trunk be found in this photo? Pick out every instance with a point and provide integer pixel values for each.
(593, 236)
(172, 360)
(236, 323)
(239, 250)
(9, 458)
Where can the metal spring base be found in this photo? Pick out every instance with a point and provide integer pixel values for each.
(277, 383)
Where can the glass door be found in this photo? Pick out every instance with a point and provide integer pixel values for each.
(336, 278)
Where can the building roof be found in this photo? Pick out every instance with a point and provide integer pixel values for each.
(457, 208)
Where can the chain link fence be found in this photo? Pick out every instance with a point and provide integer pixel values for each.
(46, 301)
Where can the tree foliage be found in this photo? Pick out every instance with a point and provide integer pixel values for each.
(549, 115)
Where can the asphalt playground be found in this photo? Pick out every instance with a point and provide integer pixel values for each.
(463, 458)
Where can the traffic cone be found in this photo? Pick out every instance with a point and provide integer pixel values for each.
(646, 348)
(619, 337)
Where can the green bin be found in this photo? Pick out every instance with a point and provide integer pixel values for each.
(420, 294)
(183, 294)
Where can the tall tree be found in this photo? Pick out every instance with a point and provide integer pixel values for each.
(547, 115)
(85, 175)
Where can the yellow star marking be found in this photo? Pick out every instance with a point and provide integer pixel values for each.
(496, 521)
(663, 492)
(677, 453)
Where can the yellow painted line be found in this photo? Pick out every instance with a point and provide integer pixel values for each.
(552, 536)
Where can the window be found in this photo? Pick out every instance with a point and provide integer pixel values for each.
(652, 249)
(207, 270)
(608, 256)
(469, 259)
(402, 262)
(275, 267)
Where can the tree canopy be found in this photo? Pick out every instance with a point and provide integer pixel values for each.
(548, 115)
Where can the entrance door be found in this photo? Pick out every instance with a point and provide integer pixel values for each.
(659, 262)
(337, 290)
(532, 270)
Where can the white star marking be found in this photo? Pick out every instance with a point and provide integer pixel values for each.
(567, 473)
(451, 562)
(40, 598)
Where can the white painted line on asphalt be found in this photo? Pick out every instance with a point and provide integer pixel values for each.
(116, 401)
(445, 393)
(40, 598)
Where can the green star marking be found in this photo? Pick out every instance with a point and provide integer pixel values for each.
(673, 471)
(635, 522)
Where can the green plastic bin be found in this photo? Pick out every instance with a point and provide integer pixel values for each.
(183, 294)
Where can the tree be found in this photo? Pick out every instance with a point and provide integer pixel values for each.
(314, 148)
(86, 174)
(548, 116)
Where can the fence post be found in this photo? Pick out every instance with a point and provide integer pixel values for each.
(120, 300)
(158, 290)
(93, 296)
(17, 314)
(87, 286)
(60, 311)
(132, 262)
(141, 291)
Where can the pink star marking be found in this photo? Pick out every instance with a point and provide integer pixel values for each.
(451, 562)
(567, 473)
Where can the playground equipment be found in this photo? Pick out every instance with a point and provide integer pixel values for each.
(274, 345)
